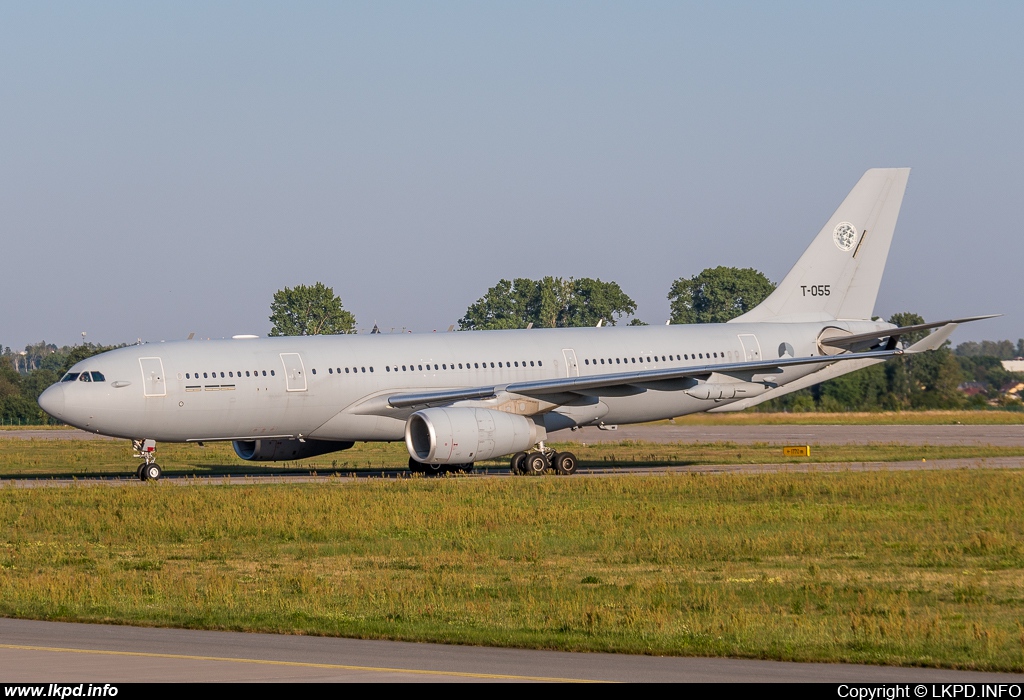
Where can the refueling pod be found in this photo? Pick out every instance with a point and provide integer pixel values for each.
(465, 435)
(281, 450)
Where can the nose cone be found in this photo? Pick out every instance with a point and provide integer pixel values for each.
(52, 401)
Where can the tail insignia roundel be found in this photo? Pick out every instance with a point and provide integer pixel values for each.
(844, 236)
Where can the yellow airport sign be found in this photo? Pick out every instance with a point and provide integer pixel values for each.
(797, 451)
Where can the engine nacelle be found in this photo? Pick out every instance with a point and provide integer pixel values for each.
(464, 435)
(281, 450)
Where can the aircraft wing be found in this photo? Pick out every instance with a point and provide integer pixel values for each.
(664, 379)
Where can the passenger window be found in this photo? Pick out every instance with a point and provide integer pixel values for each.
(271, 373)
(264, 373)
(186, 376)
(346, 370)
(617, 361)
(388, 369)
(435, 367)
(364, 370)
(231, 374)
(477, 365)
(540, 363)
(634, 360)
(531, 363)
(460, 365)
(492, 365)
(586, 362)
(314, 371)
(204, 376)
(403, 368)
(371, 369)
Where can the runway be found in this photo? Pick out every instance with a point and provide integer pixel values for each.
(55, 652)
(309, 477)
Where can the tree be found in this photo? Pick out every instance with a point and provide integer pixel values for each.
(717, 294)
(306, 310)
(909, 319)
(551, 302)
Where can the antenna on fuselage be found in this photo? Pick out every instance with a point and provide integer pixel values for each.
(529, 325)
(191, 335)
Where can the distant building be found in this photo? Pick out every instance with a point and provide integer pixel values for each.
(1014, 365)
(1012, 388)
(972, 388)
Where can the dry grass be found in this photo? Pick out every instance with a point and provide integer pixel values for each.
(914, 568)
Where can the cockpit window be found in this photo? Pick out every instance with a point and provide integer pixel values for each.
(70, 377)
(97, 376)
(85, 377)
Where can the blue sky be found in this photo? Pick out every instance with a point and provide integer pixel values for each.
(165, 168)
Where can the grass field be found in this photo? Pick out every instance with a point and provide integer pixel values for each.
(913, 568)
(110, 458)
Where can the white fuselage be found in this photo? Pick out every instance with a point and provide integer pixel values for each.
(336, 387)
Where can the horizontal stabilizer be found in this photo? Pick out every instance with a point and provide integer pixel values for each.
(891, 336)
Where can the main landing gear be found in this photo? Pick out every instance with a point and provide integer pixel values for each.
(149, 470)
(438, 469)
(537, 463)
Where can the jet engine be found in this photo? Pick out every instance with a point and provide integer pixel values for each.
(280, 450)
(464, 435)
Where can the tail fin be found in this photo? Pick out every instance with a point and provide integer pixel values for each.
(839, 273)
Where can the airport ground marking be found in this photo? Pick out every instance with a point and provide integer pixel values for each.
(302, 664)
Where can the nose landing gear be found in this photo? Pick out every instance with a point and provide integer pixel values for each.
(149, 469)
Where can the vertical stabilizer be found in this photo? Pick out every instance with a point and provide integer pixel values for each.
(839, 274)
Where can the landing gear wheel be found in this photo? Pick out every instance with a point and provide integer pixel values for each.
(141, 472)
(435, 469)
(416, 467)
(151, 472)
(536, 464)
(565, 463)
(518, 463)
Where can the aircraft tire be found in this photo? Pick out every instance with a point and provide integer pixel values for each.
(416, 467)
(565, 463)
(141, 472)
(435, 469)
(153, 472)
(536, 464)
(518, 463)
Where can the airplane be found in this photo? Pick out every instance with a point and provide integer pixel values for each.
(458, 398)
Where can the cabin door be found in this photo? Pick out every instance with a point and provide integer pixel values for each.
(751, 348)
(153, 381)
(294, 372)
(572, 369)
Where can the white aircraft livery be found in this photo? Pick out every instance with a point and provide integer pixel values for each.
(457, 398)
